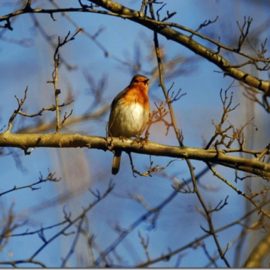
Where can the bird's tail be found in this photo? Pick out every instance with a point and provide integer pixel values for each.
(116, 162)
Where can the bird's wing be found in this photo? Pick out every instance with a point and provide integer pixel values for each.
(119, 96)
(113, 105)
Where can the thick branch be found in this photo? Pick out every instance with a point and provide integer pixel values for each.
(160, 27)
(186, 41)
(26, 141)
(259, 253)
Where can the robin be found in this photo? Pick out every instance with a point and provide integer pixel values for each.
(129, 113)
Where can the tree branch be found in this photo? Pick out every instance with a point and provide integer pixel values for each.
(26, 141)
(163, 28)
(166, 31)
(168, 255)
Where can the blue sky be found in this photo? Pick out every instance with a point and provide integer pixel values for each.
(32, 65)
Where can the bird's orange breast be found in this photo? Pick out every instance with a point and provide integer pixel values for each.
(138, 95)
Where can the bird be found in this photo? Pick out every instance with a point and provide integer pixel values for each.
(129, 114)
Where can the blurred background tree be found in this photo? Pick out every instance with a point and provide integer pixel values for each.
(64, 61)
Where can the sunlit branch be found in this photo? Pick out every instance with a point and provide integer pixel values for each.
(26, 141)
(186, 41)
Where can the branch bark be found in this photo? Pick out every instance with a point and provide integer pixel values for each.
(26, 141)
(163, 28)
(188, 42)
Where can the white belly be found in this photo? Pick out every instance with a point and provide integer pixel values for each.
(128, 121)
